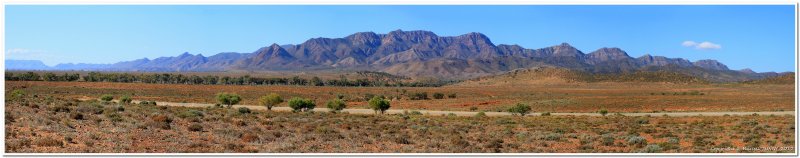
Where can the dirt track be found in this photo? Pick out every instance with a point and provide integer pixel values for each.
(469, 113)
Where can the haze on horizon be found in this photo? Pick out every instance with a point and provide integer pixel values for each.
(760, 37)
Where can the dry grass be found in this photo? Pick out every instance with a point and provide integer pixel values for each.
(565, 97)
(139, 128)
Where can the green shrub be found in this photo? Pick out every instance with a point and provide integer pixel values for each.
(106, 97)
(300, 104)
(652, 148)
(379, 104)
(190, 114)
(480, 114)
(229, 99)
(17, 93)
(637, 141)
(553, 137)
(473, 108)
(270, 100)
(608, 139)
(451, 95)
(195, 127)
(147, 102)
(126, 99)
(546, 114)
(336, 105)
(438, 95)
(244, 110)
(603, 112)
(419, 96)
(47, 141)
(520, 109)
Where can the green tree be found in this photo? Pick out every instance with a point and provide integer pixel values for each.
(300, 104)
(270, 100)
(379, 104)
(336, 105)
(520, 109)
(106, 97)
(228, 99)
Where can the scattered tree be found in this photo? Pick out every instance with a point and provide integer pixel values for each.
(336, 105)
(379, 104)
(229, 99)
(520, 109)
(270, 100)
(300, 104)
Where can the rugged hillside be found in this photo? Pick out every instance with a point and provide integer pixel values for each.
(424, 54)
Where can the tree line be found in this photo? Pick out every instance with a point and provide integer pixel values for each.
(369, 79)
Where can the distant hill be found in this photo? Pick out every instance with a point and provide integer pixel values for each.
(555, 75)
(423, 54)
(25, 65)
(787, 78)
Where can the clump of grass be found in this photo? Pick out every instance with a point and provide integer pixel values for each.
(47, 141)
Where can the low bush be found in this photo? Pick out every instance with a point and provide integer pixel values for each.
(300, 104)
(336, 105)
(652, 148)
(438, 95)
(125, 99)
(521, 109)
(195, 127)
(451, 95)
(47, 141)
(637, 141)
(244, 110)
(106, 97)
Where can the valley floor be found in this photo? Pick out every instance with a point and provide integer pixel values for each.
(554, 98)
(37, 123)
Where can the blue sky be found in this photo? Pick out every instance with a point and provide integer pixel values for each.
(760, 37)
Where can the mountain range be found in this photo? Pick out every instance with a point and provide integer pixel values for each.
(416, 54)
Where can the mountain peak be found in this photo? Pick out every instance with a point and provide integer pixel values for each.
(710, 64)
(747, 70)
(564, 44)
(607, 54)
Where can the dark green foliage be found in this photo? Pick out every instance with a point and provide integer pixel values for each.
(438, 95)
(228, 99)
(300, 104)
(521, 109)
(244, 110)
(603, 112)
(126, 99)
(451, 95)
(379, 104)
(368, 79)
(270, 100)
(106, 97)
(419, 96)
(336, 105)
